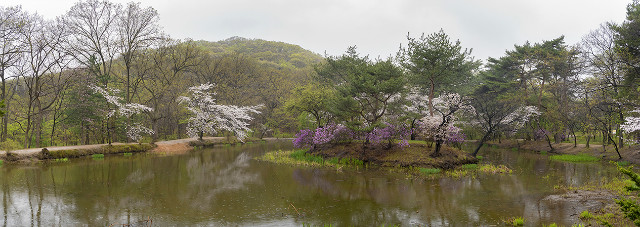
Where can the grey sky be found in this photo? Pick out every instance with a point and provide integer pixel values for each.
(377, 27)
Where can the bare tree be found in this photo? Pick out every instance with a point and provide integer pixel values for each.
(94, 38)
(41, 67)
(137, 29)
(11, 21)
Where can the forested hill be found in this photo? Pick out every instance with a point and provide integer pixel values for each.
(272, 52)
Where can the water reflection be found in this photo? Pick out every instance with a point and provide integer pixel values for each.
(225, 186)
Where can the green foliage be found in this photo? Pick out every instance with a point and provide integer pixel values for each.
(629, 206)
(470, 166)
(586, 215)
(10, 145)
(363, 88)
(301, 155)
(574, 158)
(437, 64)
(430, 171)
(97, 156)
(127, 154)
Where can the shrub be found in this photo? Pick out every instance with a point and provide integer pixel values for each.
(10, 145)
(628, 206)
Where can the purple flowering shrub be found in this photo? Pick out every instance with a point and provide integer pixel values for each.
(336, 133)
(304, 139)
(455, 137)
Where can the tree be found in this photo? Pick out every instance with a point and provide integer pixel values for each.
(627, 40)
(311, 99)
(437, 64)
(494, 116)
(127, 110)
(209, 117)
(438, 126)
(12, 20)
(365, 90)
(607, 67)
(137, 29)
(93, 38)
(41, 68)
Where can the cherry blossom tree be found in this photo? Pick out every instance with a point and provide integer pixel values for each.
(437, 127)
(631, 124)
(493, 116)
(209, 117)
(134, 130)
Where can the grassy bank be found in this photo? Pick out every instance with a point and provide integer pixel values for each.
(574, 158)
(103, 150)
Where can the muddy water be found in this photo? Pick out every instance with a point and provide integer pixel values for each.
(224, 186)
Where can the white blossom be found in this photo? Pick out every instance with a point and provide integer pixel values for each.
(439, 126)
(631, 124)
(518, 118)
(135, 130)
(209, 117)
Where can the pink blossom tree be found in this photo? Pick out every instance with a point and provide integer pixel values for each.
(209, 117)
(445, 107)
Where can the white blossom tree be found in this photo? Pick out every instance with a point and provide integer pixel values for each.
(493, 116)
(631, 124)
(209, 117)
(437, 126)
(134, 130)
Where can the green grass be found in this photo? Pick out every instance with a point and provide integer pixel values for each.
(300, 157)
(516, 221)
(586, 215)
(470, 166)
(61, 159)
(574, 158)
(430, 171)
(479, 157)
(97, 156)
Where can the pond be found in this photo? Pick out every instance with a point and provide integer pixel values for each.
(225, 186)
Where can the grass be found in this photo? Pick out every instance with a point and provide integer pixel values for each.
(61, 159)
(429, 171)
(515, 221)
(301, 158)
(493, 169)
(97, 156)
(586, 215)
(574, 158)
(127, 154)
(470, 166)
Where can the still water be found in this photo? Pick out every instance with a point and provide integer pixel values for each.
(225, 186)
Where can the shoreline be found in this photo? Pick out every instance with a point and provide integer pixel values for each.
(177, 146)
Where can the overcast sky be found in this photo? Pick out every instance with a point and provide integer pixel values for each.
(377, 27)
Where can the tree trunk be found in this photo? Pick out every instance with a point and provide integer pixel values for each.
(431, 99)
(615, 146)
(588, 139)
(436, 152)
(484, 139)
